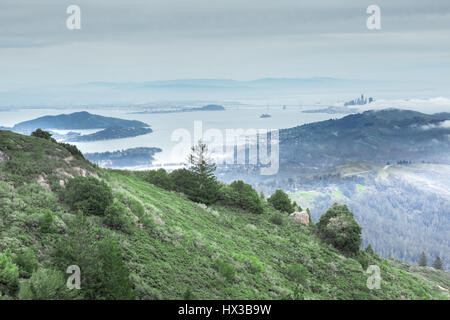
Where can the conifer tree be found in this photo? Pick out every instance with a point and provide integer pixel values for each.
(201, 164)
(437, 264)
(423, 260)
(369, 249)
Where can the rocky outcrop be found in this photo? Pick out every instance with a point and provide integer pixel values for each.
(302, 217)
(3, 157)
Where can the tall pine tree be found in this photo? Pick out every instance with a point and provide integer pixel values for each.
(437, 264)
(423, 260)
(201, 164)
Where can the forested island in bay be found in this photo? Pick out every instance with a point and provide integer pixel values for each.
(123, 158)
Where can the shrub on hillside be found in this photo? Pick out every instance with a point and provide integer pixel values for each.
(226, 270)
(46, 284)
(39, 133)
(9, 274)
(184, 181)
(338, 227)
(298, 273)
(369, 249)
(189, 183)
(363, 259)
(159, 178)
(72, 149)
(46, 221)
(280, 201)
(241, 195)
(115, 217)
(113, 276)
(277, 219)
(104, 273)
(26, 262)
(87, 194)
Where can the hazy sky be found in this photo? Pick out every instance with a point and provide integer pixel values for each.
(142, 40)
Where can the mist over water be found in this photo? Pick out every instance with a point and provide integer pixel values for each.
(164, 124)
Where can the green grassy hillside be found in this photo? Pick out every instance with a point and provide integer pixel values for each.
(174, 248)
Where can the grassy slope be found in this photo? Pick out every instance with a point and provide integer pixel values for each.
(181, 253)
(179, 243)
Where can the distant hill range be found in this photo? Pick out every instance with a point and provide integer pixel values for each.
(209, 107)
(376, 136)
(113, 128)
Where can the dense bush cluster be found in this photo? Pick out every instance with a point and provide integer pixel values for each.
(104, 272)
(88, 195)
(9, 274)
(241, 195)
(338, 227)
(280, 201)
(159, 178)
(26, 262)
(46, 284)
(116, 218)
(39, 133)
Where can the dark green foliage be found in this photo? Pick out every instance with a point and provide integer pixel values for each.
(78, 247)
(103, 272)
(297, 207)
(159, 178)
(43, 135)
(277, 219)
(115, 217)
(188, 182)
(437, 264)
(9, 274)
(87, 194)
(423, 260)
(241, 195)
(113, 274)
(369, 249)
(363, 259)
(280, 201)
(205, 186)
(185, 181)
(188, 295)
(226, 269)
(46, 284)
(311, 222)
(339, 228)
(27, 262)
(298, 273)
(46, 221)
(72, 149)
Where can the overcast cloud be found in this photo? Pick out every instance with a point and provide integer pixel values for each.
(137, 40)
